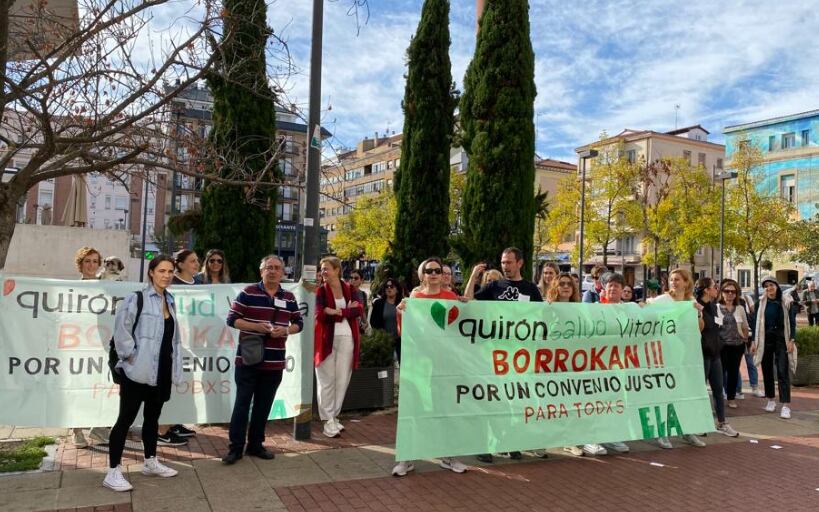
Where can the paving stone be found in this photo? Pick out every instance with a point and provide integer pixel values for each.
(29, 481)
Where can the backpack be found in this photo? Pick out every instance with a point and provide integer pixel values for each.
(113, 357)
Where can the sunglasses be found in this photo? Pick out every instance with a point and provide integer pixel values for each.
(734, 292)
(429, 271)
(214, 260)
(565, 283)
(389, 286)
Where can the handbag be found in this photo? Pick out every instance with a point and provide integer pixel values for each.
(252, 348)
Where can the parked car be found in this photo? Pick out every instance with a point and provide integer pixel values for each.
(587, 284)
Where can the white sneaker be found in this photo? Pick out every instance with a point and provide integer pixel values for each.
(693, 440)
(78, 438)
(330, 429)
(758, 393)
(100, 434)
(740, 396)
(338, 424)
(153, 467)
(617, 447)
(452, 465)
(541, 454)
(594, 449)
(727, 429)
(771, 406)
(577, 451)
(664, 443)
(402, 468)
(785, 413)
(115, 481)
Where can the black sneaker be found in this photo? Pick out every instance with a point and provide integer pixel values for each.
(182, 431)
(171, 439)
(485, 458)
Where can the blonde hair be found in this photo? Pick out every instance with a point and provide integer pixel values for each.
(490, 276)
(689, 282)
(552, 294)
(83, 253)
(332, 261)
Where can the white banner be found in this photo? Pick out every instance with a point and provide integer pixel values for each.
(54, 338)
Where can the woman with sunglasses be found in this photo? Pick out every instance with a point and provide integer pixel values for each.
(215, 269)
(734, 333)
(384, 315)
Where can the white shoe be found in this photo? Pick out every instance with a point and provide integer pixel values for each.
(758, 393)
(740, 396)
(693, 440)
(100, 434)
(338, 424)
(577, 451)
(785, 413)
(330, 429)
(402, 468)
(115, 481)
(664, 443)
(452, 465)
(594, 449)
(541, 454)
(727, 429)
(78, 438)
(771, 406)
(617, 447)
(152, 467)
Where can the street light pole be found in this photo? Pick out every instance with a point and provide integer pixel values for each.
(589, 153)
(144, 227)
(722, 177)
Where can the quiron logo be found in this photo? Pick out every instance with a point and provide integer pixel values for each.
(441, 316)
(8, 286)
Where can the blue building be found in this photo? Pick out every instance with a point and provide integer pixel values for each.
(790, 148)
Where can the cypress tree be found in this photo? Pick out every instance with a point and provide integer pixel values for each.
(422, 181)
(496, 118)
(239, 220)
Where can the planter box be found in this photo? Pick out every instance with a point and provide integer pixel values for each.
(807, 371)
(370, 388)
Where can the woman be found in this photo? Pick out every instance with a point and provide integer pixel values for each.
(628, 294)
(775, 332)
(548, 273)
(490, 276)
(150, 361)
(430, 273)
(478, 280)
(215, 270)
(680, 289)
(187, 268)
(706, 293)
(337, 343)
(734, 333)
(384, 314)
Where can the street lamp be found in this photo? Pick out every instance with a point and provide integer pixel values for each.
(589, 153)
(725, 175)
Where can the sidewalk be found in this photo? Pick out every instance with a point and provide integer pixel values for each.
(353, 472)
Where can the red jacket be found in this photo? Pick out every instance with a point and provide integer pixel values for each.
(326, 324)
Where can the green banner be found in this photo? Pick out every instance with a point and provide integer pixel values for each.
(487, 377)
(54, 351)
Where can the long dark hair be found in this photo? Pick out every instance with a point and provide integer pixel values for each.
(181, 256)
(726, 283)
(399, 291)
(224, 274)
(159, 258)
(703, 284)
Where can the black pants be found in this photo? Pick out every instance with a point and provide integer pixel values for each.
(813, 318)
(131, 396)
(258, 386)
(713, 374)
(776, 353)
(731, 358)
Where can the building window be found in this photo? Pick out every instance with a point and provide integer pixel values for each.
(744, 278)
(701, 159)
(107, 202)
(631, 155)
(687, 156)
(805, 137)
(771, 143)
(787, 188)
(788, 140)
(719, 163)
(120, 203)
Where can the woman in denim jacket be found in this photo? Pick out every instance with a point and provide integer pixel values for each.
(149, 361)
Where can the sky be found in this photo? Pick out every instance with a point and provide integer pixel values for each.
(601, 65)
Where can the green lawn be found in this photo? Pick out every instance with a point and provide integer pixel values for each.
(24, 456)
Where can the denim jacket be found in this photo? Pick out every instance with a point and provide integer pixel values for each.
(144, 365)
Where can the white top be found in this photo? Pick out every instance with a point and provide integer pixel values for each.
(342, 328)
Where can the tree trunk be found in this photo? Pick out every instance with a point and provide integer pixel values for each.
(8, 211)
(756, 280)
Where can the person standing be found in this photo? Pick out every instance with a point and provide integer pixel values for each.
(265, 309)
(548, 273)
(355, 282)
(150, 361)
(811, 301)
(215, 269)
(187, 268)
(734, 334)
(337, 342)
(775, 332)
(385, 314)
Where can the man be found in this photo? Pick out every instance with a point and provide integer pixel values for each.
(263, 308)
(511, 287)
(810, 299)
(355, 280)
(593, 295)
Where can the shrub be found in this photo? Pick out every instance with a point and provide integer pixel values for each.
(807, 338)
(377, 349)
(25, 456)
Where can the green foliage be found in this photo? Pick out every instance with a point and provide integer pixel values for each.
(650, 212)
(564, 215)
(496, 116)
(693, 211)
(422, 181)
(25, 456)
(807, 241)
(807, 339)
(242, 220)
(367, 229)
(377, 349)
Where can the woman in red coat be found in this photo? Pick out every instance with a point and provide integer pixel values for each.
(336, 343)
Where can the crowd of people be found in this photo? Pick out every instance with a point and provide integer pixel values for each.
(732, 329)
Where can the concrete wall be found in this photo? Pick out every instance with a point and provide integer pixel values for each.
(48, 251)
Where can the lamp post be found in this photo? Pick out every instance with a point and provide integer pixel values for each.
(589, 153)
(725, 175)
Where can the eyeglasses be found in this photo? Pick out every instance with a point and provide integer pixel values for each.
(389, 286)
(429, 271)
(733, 292)
(214, 260)
(270, 269)
(565, 283)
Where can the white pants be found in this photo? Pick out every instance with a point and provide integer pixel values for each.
(333, 377)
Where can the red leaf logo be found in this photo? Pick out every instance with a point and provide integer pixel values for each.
(8, 286)
(453, 314)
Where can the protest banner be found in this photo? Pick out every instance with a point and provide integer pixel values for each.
(487, 377)
(54, 338)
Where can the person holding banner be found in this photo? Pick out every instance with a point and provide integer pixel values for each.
(430, 274)
(150, 361)
(337, 342)
(680, 289)
(775, 332)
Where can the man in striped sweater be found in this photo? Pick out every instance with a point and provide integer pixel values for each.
(262, 308)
